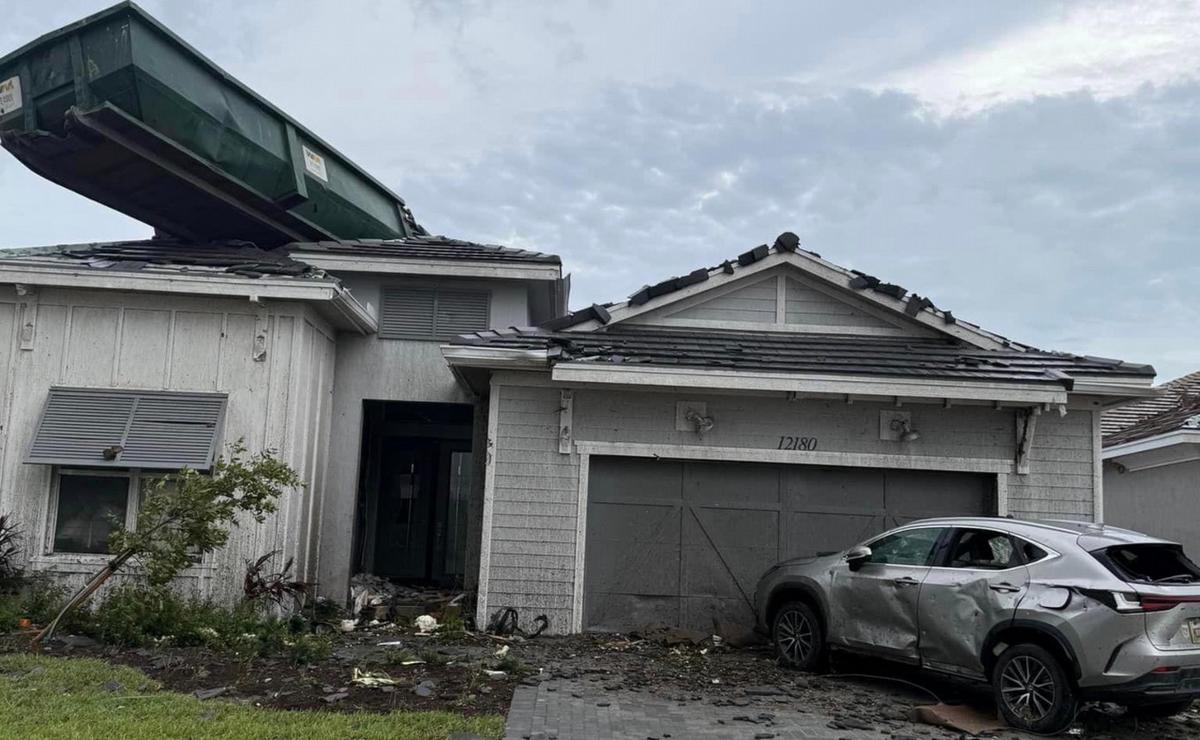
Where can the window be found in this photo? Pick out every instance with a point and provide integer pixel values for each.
(432, 313)
(981, 549)
(1149, 563)
(87, 506)
(910, 547)
(1031, 552)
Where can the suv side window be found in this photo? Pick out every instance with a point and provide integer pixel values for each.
(913, 547)
(983, 549)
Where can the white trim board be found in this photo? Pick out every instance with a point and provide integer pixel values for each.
(692, 379)
(450, 268)
(790, 457)
(580, 544)
(489, 495)
(1177, 437)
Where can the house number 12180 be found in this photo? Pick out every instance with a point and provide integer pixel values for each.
(806, 444)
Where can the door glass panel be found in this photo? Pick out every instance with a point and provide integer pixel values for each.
(456, 512)
(914, 547)
(980, 549)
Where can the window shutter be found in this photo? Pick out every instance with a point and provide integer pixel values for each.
(154, 430)
(461, 312)
(406, 314)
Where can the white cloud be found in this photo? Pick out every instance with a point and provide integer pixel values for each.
(1107, 48)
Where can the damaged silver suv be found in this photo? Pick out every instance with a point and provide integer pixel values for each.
(1051, 614)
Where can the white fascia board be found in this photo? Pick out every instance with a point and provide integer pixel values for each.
(493, 357)
(1132, 388)
(822, 270)
(344, 309)
(906, 388)
(1177, 437)
(446, 268)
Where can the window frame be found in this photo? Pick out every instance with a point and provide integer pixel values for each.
(943, 559)
(436, 335)
(935, 552)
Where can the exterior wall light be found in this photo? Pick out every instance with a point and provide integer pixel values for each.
(904, 428)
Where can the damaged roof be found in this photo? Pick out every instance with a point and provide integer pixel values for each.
(1176, 407)
(247, 260)
(222, 258)
(424, 248)
(932, 357)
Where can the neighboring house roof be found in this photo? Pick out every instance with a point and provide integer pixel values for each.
(424, 248)
(931, 358)
(1176, 408)
(1173, 398)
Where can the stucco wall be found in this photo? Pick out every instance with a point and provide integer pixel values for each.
(370, 368)
(531, 551)
(160, 342)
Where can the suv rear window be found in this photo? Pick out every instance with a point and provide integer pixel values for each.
(1149, 563)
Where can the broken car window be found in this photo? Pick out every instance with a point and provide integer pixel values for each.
(1149, 563)
(984, 550)
(914, 547)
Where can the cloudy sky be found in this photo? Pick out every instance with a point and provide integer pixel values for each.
(1033, 166)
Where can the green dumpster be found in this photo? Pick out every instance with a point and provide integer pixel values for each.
(119, 109)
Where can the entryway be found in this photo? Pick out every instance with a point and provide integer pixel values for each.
(414, 485)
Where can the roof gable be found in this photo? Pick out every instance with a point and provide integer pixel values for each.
(884, 300)
(781, 299)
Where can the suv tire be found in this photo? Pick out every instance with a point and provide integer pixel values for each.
(1033, 692)
(1165, 709)
(797, 637)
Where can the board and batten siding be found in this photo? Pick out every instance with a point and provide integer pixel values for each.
(534, 488)
(109, 339)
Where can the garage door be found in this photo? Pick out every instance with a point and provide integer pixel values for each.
(684, 543)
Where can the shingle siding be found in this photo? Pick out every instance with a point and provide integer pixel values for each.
(1061, 470)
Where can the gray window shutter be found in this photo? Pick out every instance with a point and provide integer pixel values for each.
(406, 314)
(461, 312)
(117, 428)
(424, 313)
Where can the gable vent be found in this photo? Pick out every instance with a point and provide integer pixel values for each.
(425, 313)
(117, 428)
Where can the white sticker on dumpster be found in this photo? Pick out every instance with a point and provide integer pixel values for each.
(315, 164)
(10, 95)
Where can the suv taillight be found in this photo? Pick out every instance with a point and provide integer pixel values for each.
(1131, 603)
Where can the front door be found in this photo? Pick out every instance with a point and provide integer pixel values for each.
(974, 587)
(874, 608)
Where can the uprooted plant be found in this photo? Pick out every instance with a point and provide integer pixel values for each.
(261, 584)
(187, 516)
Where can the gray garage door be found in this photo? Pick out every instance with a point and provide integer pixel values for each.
(683, 543)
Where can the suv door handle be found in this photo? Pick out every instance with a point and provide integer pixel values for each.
(906, 581)
(1004, 588)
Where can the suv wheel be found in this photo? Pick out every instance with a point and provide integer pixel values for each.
(1032, 690)
(797, 636)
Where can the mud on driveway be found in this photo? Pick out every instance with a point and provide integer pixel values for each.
(432, 673)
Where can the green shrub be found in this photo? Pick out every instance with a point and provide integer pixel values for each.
(309, 648)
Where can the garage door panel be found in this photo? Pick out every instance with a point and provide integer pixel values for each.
(812, 532)
(711, 614)
(916, 494)
(711, 484)
(622, 612)
(684, 543)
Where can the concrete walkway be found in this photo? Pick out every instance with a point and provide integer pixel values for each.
(573, 710)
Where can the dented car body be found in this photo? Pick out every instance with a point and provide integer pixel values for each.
(1096, 612)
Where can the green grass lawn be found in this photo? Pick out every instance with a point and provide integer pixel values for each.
(44, 697)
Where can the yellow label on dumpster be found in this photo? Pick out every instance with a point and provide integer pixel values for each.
(10, 95)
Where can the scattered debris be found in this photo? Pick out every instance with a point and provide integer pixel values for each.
(347, 625)
(372, 678)
(494, 674)
(425, 624)
(506, 622)
(957, 716)
(204, 694)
